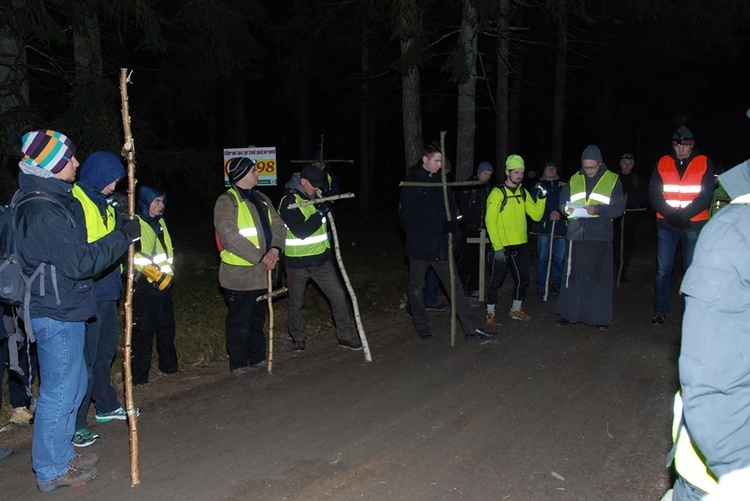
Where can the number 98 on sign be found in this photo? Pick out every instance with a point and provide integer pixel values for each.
(265, 158)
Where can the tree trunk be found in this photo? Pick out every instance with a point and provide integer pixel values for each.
(561, 78)
(501, 100)
(87, 47)
(366, 178)
(408, 28)
(14, 83)
(466, 129)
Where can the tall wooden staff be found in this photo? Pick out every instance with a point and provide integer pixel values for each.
(451, 265)
(622, 244)
(269, 355)
(128, 151)
(549, 260)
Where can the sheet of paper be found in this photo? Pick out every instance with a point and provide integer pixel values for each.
(579, 210)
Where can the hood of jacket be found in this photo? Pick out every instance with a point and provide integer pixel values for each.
(295, 186)
(146, 195)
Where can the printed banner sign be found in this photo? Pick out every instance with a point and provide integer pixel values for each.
(265, 158)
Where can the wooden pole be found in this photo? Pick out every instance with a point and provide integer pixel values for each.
(622, 244)
(128, 150)
(345, 276)
(451, 266)
(549, 261)
(269, 356)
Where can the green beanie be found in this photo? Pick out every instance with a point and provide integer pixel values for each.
(514, 162)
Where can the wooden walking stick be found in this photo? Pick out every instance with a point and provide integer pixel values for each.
(128, 151)
(269, 356)
(622, 244)
(344, 275)
(451, 266)
(549, 260)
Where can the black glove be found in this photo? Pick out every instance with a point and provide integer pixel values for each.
(324, 208)
(132, 228)
(677, 221)
(450, 227)
(541, 192)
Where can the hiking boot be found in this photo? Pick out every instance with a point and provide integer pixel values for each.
(350, 344)
(489, 319)
(562, 323)
(602, 327)
(298, 345)
(554, 289)
(425, 336)
(85, 461)
(119, 414)
(519, 315)
(480, 333)
(438, 308)
(21, 416)
(241, 372)
(84, 438)
(74, 477)
(658, 319)
(5, 453)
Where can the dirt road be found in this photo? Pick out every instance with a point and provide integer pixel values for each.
(542, 413)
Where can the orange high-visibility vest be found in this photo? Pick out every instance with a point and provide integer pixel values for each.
(679, 193)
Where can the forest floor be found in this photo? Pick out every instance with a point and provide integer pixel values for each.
(540, 413)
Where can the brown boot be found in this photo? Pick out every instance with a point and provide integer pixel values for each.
(74, 477)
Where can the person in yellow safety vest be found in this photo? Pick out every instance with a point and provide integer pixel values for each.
(507, 207)
(680, 191)
(251, 236)
(308, 257)
(714, 364)
(153, 308)
(96, 182)
(591, 200)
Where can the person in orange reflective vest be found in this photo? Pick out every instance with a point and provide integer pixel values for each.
(680, 191)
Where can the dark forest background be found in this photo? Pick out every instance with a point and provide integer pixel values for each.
(210, 74)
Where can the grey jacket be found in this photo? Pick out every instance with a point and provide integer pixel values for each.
(715, 356)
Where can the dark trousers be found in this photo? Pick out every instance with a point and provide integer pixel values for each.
(153, 314)
(417, 271)
(327, 278)
(468, 264)
(99, 352)
(246, 343)
(517, 259)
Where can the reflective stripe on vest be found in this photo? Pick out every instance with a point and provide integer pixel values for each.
(152, 251)
(689, 463)
(315, 244)
(679, 193)
(96, 227)
(600, 195)
(246, 227)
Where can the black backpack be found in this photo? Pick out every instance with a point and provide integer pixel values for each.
(15, 285)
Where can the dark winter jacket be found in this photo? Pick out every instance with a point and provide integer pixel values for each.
(636, 190)
(554, 187)
(299, 226)
(472, 204)
(596, 229)
(96, 173)
(47, 233)
(423, 216)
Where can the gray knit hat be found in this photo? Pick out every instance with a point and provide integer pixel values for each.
(591, 153)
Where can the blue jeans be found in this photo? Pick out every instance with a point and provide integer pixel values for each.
(667, 240)
(63, 384)
(99, 352)
(558, 256)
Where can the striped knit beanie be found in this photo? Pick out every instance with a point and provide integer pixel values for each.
(48, 149)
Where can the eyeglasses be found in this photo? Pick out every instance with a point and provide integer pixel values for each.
(590, 167)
